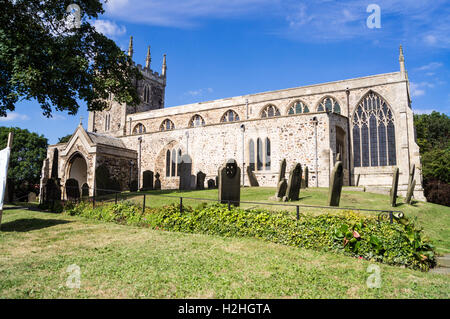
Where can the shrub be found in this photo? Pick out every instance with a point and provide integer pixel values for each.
(437, 192)
(351, 234)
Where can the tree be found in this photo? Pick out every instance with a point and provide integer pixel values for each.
(27, 155)
(44, 57)
(433, 138)
(64, 139)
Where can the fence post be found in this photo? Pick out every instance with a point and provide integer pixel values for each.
(181, 205)
(298, 212)
(143, 205)
(391, 217)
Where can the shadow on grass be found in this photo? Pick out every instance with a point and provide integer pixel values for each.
(28, 224)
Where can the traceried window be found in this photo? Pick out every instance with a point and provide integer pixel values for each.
(173, 160)
(373, 133)
(196, 121)
(146, 93)
(262, 160)
(330, 105)
(230, 116)
(107, 122)
(167, 125)
(139, 129)
(270, 111)
(298, 107)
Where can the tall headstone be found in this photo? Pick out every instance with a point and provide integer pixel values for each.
(282, 171)
(306, 177)
(200, 180)
(282, 183)
(157, 181)
(251, 177)
(394, 187)
(295, 179)
(85, 190)
(185, 172)
(411, 185)
(336, 182)
(230, 183)
(147, 180)
(72, 189)
(357, 180)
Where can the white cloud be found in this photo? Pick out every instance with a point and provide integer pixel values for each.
(14, 116)
(418, 89)
(109, 28)
(430, 66)
(199, 92)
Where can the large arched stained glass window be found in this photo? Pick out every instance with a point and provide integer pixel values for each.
(270, 111)
(373, 133)
(298, 107)
(330, 105)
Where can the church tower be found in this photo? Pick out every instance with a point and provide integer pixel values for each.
(112, 120)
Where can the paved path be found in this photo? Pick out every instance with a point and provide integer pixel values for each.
(443, 265)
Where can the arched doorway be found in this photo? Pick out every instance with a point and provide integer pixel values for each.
(78, 169)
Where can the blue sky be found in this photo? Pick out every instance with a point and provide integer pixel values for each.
(223, 48)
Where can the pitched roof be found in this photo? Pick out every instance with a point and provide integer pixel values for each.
(105, 140)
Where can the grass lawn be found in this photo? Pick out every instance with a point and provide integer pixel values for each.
(129, 262)
(435, 219)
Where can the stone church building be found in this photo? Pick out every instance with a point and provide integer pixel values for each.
(367, 120)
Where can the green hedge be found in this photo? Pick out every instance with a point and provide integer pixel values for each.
(349, 233)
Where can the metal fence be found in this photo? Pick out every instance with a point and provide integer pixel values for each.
(152, 200)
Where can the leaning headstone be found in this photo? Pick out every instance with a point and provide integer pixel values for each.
(411, 174)
(410, 192)
(357, 180)
(72, 189)
(200, 180)
(230, 183)
(211, 183)
(251, 177)
(217, 181)
(295, 179)
(31, 197)
(336, 182)
(147, 180)
(185, 172)
(157, 181)
(282, 171)
(394, 187)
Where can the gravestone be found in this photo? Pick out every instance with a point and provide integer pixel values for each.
(295, 179)
(336, 182)
(230, 183)
(157, 181)
(217, 181)
(85, 190)
(305, 179)
(200, 180)
(31, 197)
(282, 171)
(394, 188)
(133, 186)
(251, 177)
(282, 183)
(211, 183)
(357, 180)
(72, 189)
(147, 180)
(52, 191)
(185, 172)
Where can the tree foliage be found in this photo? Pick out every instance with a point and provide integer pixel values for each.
(64, 139)
(44, 57)
(27, 155)
(433, 138)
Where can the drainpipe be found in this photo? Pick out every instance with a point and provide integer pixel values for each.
(347, 91)
(315, 122)
(139, 163)
(243, 154)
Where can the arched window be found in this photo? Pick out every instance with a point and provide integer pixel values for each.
(298, 107)
(230, 116)
(251, 154)
(196, 121)
(330, 105)
(146, 93)
(373, 133)
(139, 129)
(270, 111)
(259, 154)
(167, 125)
(168, 163)
(107, 122)
(174, 162)
(178, 162)
(267, 153)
